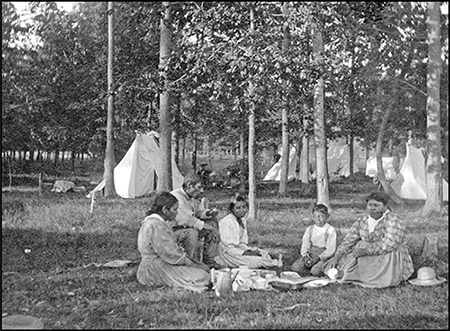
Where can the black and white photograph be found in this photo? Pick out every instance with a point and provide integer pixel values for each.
(225, 165)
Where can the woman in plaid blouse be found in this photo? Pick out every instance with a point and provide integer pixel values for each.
(373, 253)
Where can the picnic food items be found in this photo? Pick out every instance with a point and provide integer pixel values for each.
(290, 280)
(290, 274)
(222, 281)
(285, 285)
(280, 264)
(332, 273)
(426, 277)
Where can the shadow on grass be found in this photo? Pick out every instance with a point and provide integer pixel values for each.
(24, 250)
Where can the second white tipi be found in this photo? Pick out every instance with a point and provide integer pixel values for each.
(411, 181)
(274, 173)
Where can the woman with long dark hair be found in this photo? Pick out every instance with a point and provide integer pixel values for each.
(164, 262)
(234, 249)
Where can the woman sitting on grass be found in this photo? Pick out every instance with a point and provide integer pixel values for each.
(234, 250)
(163, 262)
(373, 253)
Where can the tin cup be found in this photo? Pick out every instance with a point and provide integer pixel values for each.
(332, 273)
(269, 277)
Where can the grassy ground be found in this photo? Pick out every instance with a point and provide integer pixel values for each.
(58, 282)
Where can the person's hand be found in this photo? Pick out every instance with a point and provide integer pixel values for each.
(358, 252)
(311, 260)
(308, 261)
(250, 252)
(333, 262)
(210, 213)
(315, 259)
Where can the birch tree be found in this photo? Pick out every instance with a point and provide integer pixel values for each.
(109, 154)
(284, 111)
(433, 203)
(319, 122)
(304, 155)
(251, 138)
(165, 178)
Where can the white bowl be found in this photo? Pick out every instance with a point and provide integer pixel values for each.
(290, 274)
(332, 273)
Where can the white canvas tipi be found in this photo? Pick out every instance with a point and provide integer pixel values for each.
(411, 182)
(134, 176)
(338, 156)
(274, 173)
(388, 167)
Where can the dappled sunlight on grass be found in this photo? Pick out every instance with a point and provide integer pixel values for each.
(58, 281)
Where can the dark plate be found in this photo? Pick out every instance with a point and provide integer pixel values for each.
(284, 286)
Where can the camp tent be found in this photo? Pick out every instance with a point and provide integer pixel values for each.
(338, 158)
(388, 167)
(274, 173)
(338, 155)
(136, 173)
(411, 181)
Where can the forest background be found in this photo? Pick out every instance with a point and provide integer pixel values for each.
(54, 87)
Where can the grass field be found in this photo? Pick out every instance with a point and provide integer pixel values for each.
(58, 281)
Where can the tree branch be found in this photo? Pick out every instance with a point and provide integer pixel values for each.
(412, 86)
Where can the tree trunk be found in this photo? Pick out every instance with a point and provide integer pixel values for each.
(352, 105)
(285, 112)
(72, 163)
(319, 124)
(109, 154)
(251, 140)
(194, 152)
(379, 148)
(175, 147)
(165, 176)
(40, 184)
(209, 146)
(282, 190)
(177, 131)
(304, 160)
(242, 169)
(183, 151)
(351, 155)
(433, 204)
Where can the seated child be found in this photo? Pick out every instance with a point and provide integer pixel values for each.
(318, 244)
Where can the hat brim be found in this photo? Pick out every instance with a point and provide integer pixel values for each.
(433, 282)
